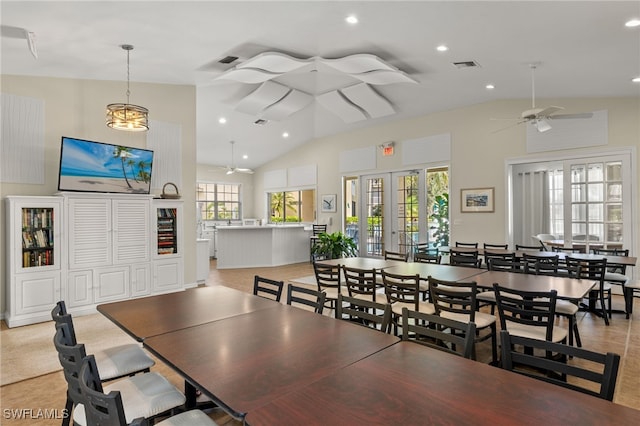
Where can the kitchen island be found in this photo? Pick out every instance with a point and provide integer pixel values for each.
(259, 246)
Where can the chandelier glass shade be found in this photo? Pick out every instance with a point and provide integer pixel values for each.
(133, 118)
(129, 117)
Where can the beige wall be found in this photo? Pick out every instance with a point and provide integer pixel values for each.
(77, 108)
(478, 155)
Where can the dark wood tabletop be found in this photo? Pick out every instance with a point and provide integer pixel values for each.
(441, 272)
(150, 316)
(567, 288)
(361, 262)
(247, 361)
(409, 384)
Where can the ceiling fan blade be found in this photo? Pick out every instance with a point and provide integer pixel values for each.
(249, 171)
(567, 116)
(548, 111)
(508, 127)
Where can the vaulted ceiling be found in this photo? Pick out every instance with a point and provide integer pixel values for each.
(583, 50)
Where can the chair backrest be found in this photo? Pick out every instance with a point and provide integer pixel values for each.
(60, 316)
(360, 282)
(526, 308)
(454, 297)
(430, 330)
(473, 245)
(620, 269)
(469, 259)
(423, 257)
(318, 229)
(101, 409)
(500, 264)
(425, 248)
(306, 296)
(327, 276)
(488, 255)
(364, 312)
(544, 368)
(591, 269)
(520, 247)
(540, 265)
(567, 249)
(401, 288)
(394, 255)
(496, 246)
(267, 288)
(70, 356)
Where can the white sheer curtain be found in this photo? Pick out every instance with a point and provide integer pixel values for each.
(530, 206)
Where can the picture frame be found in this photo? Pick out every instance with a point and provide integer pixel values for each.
(328, 203)
(477, 200)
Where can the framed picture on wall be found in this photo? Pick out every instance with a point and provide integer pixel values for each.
(328, 203)
(476, 200)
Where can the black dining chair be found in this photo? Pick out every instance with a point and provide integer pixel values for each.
(586, 366)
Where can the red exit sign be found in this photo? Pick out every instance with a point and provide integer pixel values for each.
(387, 151)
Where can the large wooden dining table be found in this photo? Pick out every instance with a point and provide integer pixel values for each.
(567, 288)
(409, 384)
(441, 272)
(247, 361)
(149, 316)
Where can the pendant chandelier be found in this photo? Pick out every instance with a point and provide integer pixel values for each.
(132, 118)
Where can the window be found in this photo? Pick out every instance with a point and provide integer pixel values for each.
(219, 201)
(292, 206)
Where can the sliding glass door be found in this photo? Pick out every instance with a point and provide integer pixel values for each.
(584, 202)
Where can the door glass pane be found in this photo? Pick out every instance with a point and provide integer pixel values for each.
(578, 173)
(614, 171)
(596, 192)
(596, 172)
(375, 209)
(578, 193)
(407, 212)
(614, 192)
(351, 209)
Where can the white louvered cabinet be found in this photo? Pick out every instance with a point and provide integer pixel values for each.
(109, 255)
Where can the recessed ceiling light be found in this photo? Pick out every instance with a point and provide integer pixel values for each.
(245, 156)
(636, 80)
(442, 48)
(351, 19)
(632, 23)
(490, 86)
(285, 135)
(222, 120)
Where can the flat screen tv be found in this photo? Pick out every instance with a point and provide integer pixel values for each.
(89, 166)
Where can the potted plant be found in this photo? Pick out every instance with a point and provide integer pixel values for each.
(334, 246)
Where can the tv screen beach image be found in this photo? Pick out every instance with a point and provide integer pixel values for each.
(101, 167)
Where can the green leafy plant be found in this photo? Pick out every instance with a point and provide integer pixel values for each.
(440, 216)
(334, 246)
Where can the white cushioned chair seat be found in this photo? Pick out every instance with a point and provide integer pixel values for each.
(424, 307)
(615, 277)
(481, 320)
(332, 292)
(538, 333)
(564, 307)
(122, 360)
(144, 395)
(188, 418)
(490, 296)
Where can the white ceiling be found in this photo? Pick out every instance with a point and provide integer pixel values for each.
(583, 48)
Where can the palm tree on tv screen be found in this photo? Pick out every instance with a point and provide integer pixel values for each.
(123, 152)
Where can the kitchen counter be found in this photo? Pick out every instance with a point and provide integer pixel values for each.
(259, 246)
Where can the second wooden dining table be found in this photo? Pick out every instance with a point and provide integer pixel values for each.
(246, 361)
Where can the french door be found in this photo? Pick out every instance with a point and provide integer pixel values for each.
(392, 211)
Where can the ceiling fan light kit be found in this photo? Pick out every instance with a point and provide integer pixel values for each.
(126, 116)
(232, 168)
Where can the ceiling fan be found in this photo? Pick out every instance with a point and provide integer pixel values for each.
(541, 118)
(232, 168)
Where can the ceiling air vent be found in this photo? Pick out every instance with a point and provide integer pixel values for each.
(260, 122)
(228, 59)
(466, 64)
